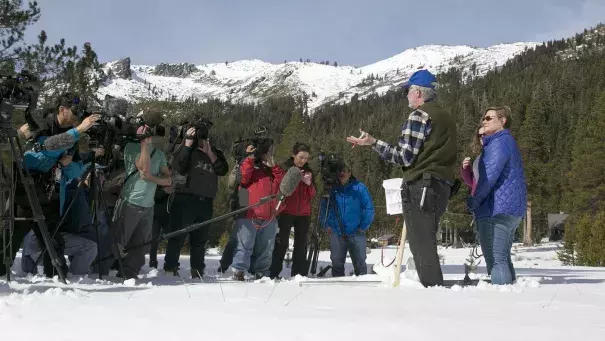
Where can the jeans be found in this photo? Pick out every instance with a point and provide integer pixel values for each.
(254, 246)
(496, 236)
(229, 251)
(356, 246)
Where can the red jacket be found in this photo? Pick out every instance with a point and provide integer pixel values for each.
(261, 183)
(299, 203)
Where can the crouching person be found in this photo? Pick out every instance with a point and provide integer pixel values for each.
(261, 177)
(350, 214)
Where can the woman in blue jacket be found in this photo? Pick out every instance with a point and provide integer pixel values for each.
(347, 225)
(500, 199)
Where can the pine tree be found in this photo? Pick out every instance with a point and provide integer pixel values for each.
(587, 189)
(534, 144)
(49, 64)
(14, 21)
(294, 132)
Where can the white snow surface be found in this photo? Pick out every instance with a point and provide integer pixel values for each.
(548, 302)
(256, 80)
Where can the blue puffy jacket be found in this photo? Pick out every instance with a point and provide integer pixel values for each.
(501, 188)
(355, 208)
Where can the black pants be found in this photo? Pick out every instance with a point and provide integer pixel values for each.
(187, 210)
(422, 225)
(161, 222)
(282, 241)
(229, 251)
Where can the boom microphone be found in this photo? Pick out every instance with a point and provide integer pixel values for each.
(288, 185)
(152, 117)
(116, 106)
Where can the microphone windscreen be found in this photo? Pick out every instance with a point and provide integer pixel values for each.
(153, 117)
(290, 181)
(60, 141)
(116, 106)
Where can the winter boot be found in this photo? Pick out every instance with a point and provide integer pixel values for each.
(171, 271)
(195, 273)
(239, 275)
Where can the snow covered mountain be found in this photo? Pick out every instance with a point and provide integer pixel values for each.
(255, 80)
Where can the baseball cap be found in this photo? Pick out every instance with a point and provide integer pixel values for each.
(421, 78)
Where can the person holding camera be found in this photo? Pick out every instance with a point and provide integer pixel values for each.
(201, 164)
(350, 212)
(261, 177)
(297, 213)
(427, 153)
(53, 160)
(146, 168)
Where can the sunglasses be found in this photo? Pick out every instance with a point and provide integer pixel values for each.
(488, 118)
(480, 135)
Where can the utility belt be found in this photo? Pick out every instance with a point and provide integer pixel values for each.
(427, 181)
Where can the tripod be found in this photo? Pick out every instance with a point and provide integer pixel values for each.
(7, 184)
(312, 257)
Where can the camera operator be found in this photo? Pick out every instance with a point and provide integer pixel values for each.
(53, 161)
(350, 214)
(201, 164)
(427, 152)
(261, 177)
(146, 168)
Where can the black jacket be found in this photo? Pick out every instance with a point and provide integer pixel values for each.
(201, 174)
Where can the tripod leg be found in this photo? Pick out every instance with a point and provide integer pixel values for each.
(28, 184)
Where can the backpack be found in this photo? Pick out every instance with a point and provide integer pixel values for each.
(115, 186)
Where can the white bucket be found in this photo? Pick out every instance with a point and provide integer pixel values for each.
(392, 190)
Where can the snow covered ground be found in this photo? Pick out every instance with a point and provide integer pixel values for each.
(549, 302)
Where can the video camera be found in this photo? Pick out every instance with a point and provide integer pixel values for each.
(202, 130)
(330, 168)
(114, 119)
(18, 92)
(261, 143)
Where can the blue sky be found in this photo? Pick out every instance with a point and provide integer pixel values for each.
(352, 32)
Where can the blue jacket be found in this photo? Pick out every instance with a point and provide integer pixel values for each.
(43, 161)
(501, 188)
(355, 208)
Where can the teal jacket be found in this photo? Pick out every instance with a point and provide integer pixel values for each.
(45, 161)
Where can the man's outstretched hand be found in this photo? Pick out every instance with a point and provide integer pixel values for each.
(364, 140)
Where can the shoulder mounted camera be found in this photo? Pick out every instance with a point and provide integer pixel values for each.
(18, 92)
(179, 132)
(114, 117)
(260, 142)
(331, 165)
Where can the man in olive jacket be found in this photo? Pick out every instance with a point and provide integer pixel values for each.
(427, 153)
